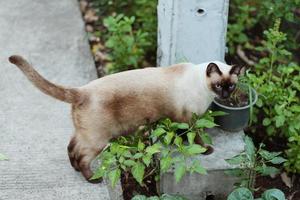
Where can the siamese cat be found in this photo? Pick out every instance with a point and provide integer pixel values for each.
(119, 103)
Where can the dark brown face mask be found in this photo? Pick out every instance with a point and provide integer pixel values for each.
(223, 86)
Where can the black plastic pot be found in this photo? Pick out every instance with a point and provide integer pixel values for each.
(237, 118)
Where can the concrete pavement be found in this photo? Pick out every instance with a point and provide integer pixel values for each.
(34, 128)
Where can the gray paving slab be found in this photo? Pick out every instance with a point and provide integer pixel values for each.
(34, 128)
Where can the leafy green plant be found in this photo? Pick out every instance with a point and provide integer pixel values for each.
(145, 21)
(278, 83)
(253, 162)
(136, 153)
(246, 194)
(293, 154)
(127, 45)
(162, 197)
(248, 17)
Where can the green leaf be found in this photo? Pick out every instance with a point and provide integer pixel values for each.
(121, 159)
(178, 141)
(147, 159)
(278, 160)
(241, 194)
(129, 163)
(295, 108)
(168, 138)
(138, 155)
(273, 194)
(3, 157)
(138, 172)
(141, 146)
(153, 198)
(172, 197)
(237, 160)
(158, 132)
(205, 137)
(267, 170)
(266, 122)
(270, 130)
(199, 168)
(195, 149)
(268, 155)
(139, 197)
(191, 137)
(114, 148)
(183, 126)
(180, 170)
(99, 173)
(166, 122)
(176, 125)
(279, 120)
(114, 176)
(155, 148)
(235, 172)
(249, 148)
(218, 113)
(259, 103)
(127, 154)
(204, 123)
(165, 163)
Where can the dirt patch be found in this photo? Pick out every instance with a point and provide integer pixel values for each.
(291, 193)
(131, 187)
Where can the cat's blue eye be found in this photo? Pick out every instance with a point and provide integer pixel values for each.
(231, 86)
(218, 86)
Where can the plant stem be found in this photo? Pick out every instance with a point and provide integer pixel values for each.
(251, 106)
(151, 172)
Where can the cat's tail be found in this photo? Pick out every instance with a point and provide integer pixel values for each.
(69, 95)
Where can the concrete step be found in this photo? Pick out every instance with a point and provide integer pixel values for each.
(216, 182)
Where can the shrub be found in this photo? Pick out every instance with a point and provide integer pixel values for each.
(254, 162)
(248, 17)
(143, 32)
(127, 46)
(278, 83)
(293, 154)
(136, 153)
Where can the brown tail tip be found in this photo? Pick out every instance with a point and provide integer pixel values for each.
(15, 59)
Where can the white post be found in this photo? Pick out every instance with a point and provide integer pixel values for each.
(191, 31)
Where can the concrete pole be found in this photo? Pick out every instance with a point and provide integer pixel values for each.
(191, 31)
(195, 31)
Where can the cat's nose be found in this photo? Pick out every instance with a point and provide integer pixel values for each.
(225, 95)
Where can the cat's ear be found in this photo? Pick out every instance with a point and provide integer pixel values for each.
(212, 68)
(237, 70)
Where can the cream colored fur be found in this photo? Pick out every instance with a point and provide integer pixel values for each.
(120, 103)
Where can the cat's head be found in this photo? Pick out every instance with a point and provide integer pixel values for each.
(222, 78)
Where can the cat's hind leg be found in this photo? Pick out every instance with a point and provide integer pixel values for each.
(82, 150)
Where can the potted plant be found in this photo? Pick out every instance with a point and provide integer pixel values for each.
(237, 107)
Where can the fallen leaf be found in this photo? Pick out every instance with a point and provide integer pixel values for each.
(93, 38)
(89, 28)
(99, 56)
(83, 5)
(96, 48)
(287, 180)
(90, 16)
